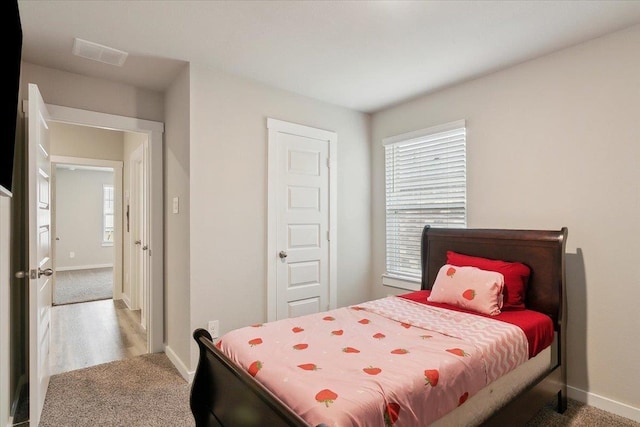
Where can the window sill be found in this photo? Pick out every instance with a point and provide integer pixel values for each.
(401, 282)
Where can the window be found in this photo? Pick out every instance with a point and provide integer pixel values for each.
(108, 211)
(425, 176)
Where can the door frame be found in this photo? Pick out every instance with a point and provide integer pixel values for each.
(274, 127)
(5, 268)
(154, 182)
(116, 165)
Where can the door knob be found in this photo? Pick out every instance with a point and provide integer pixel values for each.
(282, 254)
(23, 274)
(145, 247)
(45, 272)
(137, 242)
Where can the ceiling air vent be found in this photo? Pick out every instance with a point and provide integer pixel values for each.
(98, 52)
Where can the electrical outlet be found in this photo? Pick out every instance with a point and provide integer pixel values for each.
(72, 254)
(214, 328)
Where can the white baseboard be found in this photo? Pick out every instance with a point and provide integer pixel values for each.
(604, 403)
(83, 267)
(126, 300)
(180, 366)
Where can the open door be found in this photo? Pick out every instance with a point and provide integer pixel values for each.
(39, 240)
(139, 235)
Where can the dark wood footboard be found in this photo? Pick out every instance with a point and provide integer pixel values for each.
(224, 395)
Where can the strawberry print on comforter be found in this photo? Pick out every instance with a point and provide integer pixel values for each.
(385, 362)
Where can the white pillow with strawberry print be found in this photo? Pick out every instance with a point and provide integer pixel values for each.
(470, 288)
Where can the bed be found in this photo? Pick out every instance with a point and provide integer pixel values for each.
(228, 390)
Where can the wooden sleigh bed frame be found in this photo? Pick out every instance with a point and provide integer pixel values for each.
(223, 394)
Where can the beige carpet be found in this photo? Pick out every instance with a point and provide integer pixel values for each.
(148, 391)
(74, 286)
(579, 415)
(141, 391)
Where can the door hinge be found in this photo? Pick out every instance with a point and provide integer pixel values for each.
(329, 235)
(328, 162)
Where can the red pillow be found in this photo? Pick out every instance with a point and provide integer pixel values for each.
(516, 276)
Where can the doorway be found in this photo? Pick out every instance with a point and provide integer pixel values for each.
(86, 231)
(91, 322)
(150, 134)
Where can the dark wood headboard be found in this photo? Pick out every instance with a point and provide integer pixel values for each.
(541, 250)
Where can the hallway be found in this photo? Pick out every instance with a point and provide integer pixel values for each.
(91, 333)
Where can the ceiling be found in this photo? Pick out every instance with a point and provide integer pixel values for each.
(363, 55)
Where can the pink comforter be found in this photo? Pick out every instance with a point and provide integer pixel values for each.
(385, 362)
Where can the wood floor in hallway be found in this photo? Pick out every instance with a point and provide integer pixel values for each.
(91, 333)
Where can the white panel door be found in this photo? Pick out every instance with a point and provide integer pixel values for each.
(39, 192)
(302, 220)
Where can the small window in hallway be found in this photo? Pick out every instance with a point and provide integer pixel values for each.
(107, 214)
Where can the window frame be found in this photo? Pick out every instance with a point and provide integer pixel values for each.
(104, 230)
(428, 136)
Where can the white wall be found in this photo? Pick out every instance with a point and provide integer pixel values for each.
(228, 175)
(85, 142)
(556, 142)
(87, 93)
(177, 231)
(79, 219)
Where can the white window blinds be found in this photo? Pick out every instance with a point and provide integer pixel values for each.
(108, 212)
(425, 184)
